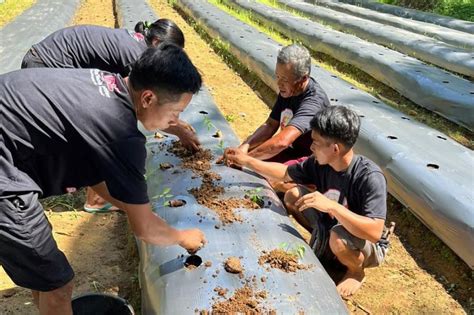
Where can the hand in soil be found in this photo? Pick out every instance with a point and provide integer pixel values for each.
(235, 157)
(351, 282)
(192, 240)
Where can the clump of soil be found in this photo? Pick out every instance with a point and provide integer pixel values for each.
(221, 291)
(232, 265)
(197, 161)
(281, 259)
(244, 300)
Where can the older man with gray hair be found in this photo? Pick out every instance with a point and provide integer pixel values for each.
(300, 98)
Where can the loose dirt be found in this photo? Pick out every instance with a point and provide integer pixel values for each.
(282, 260)
(245, 300)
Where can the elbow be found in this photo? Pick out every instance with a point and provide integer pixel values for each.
(375, 235)
(282, 145)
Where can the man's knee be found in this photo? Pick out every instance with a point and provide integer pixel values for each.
(291, 196)
(337, 244)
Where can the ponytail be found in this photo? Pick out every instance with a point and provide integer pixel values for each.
(162, 30)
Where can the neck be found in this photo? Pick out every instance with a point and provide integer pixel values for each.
(343, 162)
(133, 94)
(302, 88)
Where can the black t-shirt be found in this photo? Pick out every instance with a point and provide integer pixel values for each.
(297, 111)
(70, 128)
(89, 46)
(363, 182)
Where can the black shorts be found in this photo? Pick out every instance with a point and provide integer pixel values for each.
(28, 251)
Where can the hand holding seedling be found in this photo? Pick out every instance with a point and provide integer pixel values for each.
(235, 157)
(192, 240)
(315, 200)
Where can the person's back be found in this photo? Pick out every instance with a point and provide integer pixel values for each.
(63, 126)
(90, 46)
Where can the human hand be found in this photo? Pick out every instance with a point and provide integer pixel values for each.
(314, 200)
(235, 157)
(187, 136)
(192, 240)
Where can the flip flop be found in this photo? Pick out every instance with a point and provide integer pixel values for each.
(103, 209)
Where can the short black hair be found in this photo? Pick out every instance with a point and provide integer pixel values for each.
(166, 70)
(338, 123)
(164, 30)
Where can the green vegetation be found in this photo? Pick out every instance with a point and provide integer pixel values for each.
(358, 78)
(164, 196)
(10, 9)
(254, 195)
(293, 249)
(459, 9)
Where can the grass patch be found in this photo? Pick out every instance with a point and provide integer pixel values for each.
(458, 9)
(357, 77)
(10, 9)
(67, 202)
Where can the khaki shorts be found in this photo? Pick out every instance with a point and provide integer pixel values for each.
(374, 254)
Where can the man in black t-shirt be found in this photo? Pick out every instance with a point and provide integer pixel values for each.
(71, 128)
(300, 98)
(111, 50)
(350, 193)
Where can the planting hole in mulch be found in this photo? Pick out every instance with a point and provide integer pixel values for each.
(174, 203)
(282, 260)
(192, 262)
(165, 166)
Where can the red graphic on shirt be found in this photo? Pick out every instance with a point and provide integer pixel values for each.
(138, 37)
(111, 82)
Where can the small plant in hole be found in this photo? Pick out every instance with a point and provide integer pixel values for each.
(165, 196)
(255, 196)
(294, 249)
(230, 118)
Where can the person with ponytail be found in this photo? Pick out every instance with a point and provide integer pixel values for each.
(107, 49)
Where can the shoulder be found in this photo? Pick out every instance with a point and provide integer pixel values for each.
(366, 172)
(315, 95)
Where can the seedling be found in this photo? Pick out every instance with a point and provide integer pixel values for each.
(220, 146)
(254, 195)
(230, 118)
(164, 196)
(297, 250)
(208, 123)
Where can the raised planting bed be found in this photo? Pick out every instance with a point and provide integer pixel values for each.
(456, 59)
(243, 220)
(427, 17)
(31, 27)
(445, 34)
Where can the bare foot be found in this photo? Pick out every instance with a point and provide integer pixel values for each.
(351, 282)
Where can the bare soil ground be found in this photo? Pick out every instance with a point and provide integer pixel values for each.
(420, 275)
